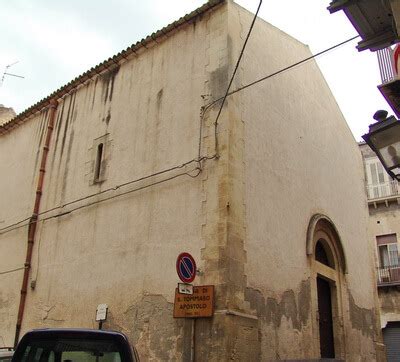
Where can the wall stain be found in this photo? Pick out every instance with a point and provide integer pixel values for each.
(362, 319)
(94, 92)
(107, 118)
(296, 308)
(218, 82)
(74, 115)
(73, 110)
(4, 301)
(108, 79)
(41, 131)
(153, 330)
(59, 123)
(46, 316)
(64, 137)
(58, 128)
(67, 120)
(390, 300)
(43, 127)
(159, 99)
(66, 169)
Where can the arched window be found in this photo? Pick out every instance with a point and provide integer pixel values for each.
(321, 230)
(323, 254)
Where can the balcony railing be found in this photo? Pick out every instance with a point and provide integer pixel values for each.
(383, 190)
(386, 65)
(390, 87)
(389, 275)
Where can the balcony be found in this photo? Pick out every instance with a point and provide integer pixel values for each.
(383, 191)
(390, 87)
(388, 276)
(377, 22)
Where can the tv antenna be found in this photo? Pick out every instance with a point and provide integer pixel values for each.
(6, 73)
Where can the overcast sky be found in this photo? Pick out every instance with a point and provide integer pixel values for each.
(55, 41)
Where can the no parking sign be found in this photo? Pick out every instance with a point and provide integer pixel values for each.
(186, 267)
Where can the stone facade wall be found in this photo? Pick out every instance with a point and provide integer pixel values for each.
(300, 160)
(113, 238)
(118, 247)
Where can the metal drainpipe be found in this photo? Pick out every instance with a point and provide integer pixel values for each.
(33, 220)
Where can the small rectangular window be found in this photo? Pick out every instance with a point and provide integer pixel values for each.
(373, 173)
(388, 251)
(99, 159)
(381, 175)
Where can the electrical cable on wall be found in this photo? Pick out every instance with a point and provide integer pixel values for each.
(13, 270)
(208, 106)
(172, 168)
(199, 159)
(197, 169)
(232, 77)
(282, 70)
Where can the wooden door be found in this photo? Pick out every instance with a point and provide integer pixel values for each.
(326, 339)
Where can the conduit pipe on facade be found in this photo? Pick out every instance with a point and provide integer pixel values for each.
(34, 219)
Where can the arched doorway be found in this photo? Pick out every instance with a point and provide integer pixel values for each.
(328, 266)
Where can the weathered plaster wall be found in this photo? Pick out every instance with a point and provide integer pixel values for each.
(244, 218)
(122, 251)
(300, 160)
(20, 153)
(389, 299)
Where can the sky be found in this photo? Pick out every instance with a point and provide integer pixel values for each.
(55, 41)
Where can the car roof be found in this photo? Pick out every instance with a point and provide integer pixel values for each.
(6, 353)
(74, 331)
(81, 333)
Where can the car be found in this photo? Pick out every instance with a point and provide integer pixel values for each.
(74, 345)
(6, 354)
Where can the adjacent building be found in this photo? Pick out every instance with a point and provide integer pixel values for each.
(113, 175)
(384, 220)
(6, 114)
(384, 233)
(378, 23)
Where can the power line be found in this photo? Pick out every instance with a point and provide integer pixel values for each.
(233, 76)
(98, 201)
(17, 225)
(13, 270)
(205, 108)
(281, 70)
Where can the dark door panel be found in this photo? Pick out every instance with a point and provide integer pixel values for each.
(327, 346)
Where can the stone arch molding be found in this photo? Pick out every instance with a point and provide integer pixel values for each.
(318, 221)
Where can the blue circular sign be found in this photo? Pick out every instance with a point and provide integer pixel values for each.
(186, 267)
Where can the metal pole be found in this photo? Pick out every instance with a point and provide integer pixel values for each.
(192, 351)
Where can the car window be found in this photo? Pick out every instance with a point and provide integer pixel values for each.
(90, 357)
(71, 351)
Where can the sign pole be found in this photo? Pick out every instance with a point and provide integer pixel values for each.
(192, 350)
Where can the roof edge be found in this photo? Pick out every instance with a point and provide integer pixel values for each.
(105, 65)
